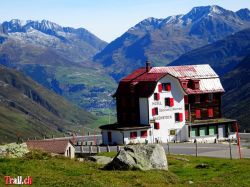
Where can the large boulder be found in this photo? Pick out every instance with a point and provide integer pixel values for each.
(143, 157)
(13, 150)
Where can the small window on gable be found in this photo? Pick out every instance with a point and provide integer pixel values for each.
(156, 96)
(169, 101)
(178, 117)
(144, 134)
(166, 86)
(156, 125)
(154, 111)
(133, 135)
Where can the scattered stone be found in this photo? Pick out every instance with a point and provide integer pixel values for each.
(142, 157)
(183, 159)
(100, 159)
(13, 150)
(190, 182)
(202, 166)
(80, 159)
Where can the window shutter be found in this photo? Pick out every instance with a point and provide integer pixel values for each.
(133, 135)
(144, 134)
(157, 96)
(198, 113)
(154, 111)
(171, 103)
(210, 112)
(168, 87)
(160, 87)
(180, 117)
(156, 125)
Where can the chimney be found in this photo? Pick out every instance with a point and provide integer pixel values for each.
(148, 66)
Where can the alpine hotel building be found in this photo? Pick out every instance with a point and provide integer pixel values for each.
(173, 103)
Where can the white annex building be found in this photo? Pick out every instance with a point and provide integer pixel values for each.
(174, 103)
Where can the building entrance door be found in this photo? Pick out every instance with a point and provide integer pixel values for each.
(221, 131)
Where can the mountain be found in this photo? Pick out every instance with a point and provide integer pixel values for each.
(72, 44)
(29, 110)
(55, 57)
(237, 97)
(223, 55)
(164, 40)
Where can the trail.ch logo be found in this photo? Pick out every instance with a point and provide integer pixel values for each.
(18, 180)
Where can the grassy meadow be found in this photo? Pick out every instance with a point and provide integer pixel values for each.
(58, 172)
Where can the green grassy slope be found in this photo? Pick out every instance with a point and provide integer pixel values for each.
(27, 109)
(64, 172)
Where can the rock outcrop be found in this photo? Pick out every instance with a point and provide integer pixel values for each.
(142, 157)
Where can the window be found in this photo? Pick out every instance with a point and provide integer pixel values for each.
(166, 86)
(133, 135)
(178, 117)
(156, 125)
(109, 136)
(210, 97)
(186, 99)
(197, 98)
(169, 101)
(160, 87)
(198, 114)
(186, 114)
(156, 96)
(144, 134)
(210, 113)
(154, 111)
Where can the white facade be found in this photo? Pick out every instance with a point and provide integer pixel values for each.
(165, 118)
(70, 151)
(166, 114)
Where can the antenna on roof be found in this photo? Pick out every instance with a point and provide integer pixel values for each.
(148, 63)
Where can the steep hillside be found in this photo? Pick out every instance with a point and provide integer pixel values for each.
(164, 40)
(223, 55)
(52, 55)
(237, 97)
(28, 110)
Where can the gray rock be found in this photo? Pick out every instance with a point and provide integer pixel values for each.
(100, 159)
(143, 157)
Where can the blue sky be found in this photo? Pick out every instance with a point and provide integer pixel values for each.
(107, 19)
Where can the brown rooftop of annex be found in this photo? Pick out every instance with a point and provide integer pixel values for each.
(51, 145)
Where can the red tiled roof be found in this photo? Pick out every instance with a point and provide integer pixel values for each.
(51, 146)
(142, 83)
